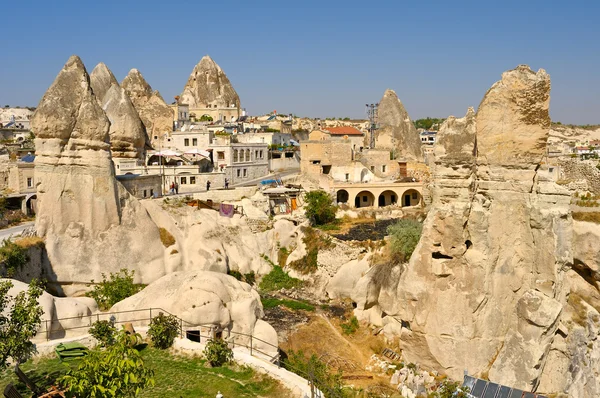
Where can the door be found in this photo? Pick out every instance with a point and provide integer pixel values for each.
(407, 200)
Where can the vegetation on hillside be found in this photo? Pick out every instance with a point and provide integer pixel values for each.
(428, 123)
(13, 257)
(587, 216)
(273, 302)
(278, 279)
(320, 209)
(166, 238)
(314, 242)
(117, 287)
(404, 236)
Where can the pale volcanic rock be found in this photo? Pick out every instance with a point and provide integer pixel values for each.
(127, 132)
(396, 130)
(90, 223)
(208, 85)
(101, 79)
(156, 115)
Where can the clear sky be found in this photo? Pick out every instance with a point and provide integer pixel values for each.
(314, 58)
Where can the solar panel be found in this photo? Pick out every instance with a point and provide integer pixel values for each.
(479, 388)
(491, 390)
(504, 392)
(529, 395)
(516, 393)
(469, 382)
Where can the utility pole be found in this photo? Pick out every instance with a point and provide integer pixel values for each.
(372, 114)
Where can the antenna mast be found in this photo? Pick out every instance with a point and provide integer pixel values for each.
(372, 114)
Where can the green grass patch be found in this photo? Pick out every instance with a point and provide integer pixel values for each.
(278, 279)
(272, 302)
(175, 376)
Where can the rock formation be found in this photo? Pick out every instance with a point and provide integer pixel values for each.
(208, 85)
(101, 79)
(91, 224)
(156, 115)
(489, 288)
(206, 298)
(396, 130)
(127, 132)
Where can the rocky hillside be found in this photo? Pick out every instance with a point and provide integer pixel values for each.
(209, 85)
(396, 130)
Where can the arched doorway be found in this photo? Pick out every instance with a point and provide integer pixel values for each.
(363, 175)
(364, 199)
(387, 198)
(342, 196)
(411, 197)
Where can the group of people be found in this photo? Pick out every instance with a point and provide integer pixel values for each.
(174, 189)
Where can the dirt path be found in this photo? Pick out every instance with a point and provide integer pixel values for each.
(342, 338)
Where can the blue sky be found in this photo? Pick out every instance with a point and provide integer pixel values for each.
(315, 58)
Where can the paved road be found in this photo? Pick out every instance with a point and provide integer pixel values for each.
(14, 231)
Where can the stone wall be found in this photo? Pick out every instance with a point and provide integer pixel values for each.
(229, 195)
(576, 171)
(285, 163)
(146, 186)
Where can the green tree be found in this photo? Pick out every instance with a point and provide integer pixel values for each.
(315, 370)
(451, 389)
(20, 319)
(116, 288)
(319, 207)
(206, 118)
(116, 371)
(12, 256)
(104, 332)
(404, 236)
(217, 352)
(163, 330)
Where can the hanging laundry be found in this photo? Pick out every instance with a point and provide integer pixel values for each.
(294, 204)
(226, 210)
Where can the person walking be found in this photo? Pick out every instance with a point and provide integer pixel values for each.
(172, 188)
(226, 183)
(176, 188)
(207, 186)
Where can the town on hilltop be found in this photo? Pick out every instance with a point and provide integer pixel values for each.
(332, 257)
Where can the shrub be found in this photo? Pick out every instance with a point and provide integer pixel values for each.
(217, 352)
(250, 278)
(319, 207)
(272, 302)
(404, 236)
(351, 326)
(163, 330)
(314, 242)
(166, 238)
(13, 256)
(282, 255)
(451, 389)
(313, 369)
(116, 288)
(236, 274)
(278, 279)
(117, 371)
(104, 332)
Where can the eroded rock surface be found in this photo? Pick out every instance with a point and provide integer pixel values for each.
(101, 79)
(208, 85)
(396, 130)
(156, 115)
(90, 223)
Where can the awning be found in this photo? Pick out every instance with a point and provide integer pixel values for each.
(166, 152)
(196, 151)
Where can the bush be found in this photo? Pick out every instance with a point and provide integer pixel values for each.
(104, 332)
(250, 278)
(272, 302)
(166, 238)
(451, 389)
(278, 279)
(236, 274)
(314, 242)
(217, 352)
(313, 369)
(117, 371)
(13, 257)
(118, 287)
(163, 330)
(404, 236)
(319, 207)
(351, 326)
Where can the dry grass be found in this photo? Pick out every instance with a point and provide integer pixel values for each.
(587, 216)
(29, 241)
(166, 238)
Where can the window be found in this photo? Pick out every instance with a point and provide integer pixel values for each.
(245, 172)
(152, 192)
(186, 142)
(29, 182)
(221, 155)
(155, 137)
(183, 180)
(373, 168)
(383, 168)
(365, 198)
(255, 154)
(145, 193)
(194, 141)
(551, 169)
(261, 154)
(247, 155)
(414, 195)
(192, 180)
(235, 155)
(239, 172)
(347, 177)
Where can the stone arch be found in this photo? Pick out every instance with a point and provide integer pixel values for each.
(364, 174)
(247, 155)
(387, 198)
(342, 196)
(411, 197)
(235, 156)
(30, 204)
(364, 199)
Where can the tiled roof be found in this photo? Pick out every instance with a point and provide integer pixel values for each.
(343, 130)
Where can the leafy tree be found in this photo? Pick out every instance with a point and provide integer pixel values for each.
(404, 236)
(20, 319)
(104, 332)
(217, 352)
(206, 118)
(451, 389)
(12, 256)
(163, 330)
(428, 123)
(116, 371)
(319, 207)
(116, 288)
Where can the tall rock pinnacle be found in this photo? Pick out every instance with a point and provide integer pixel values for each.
(156, 115)
(101, 79)
(396, 130)
(208, 85)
